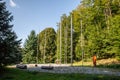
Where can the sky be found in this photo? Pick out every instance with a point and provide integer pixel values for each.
(37, 14)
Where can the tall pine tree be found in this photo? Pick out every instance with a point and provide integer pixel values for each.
(9, 45)
(30, 48)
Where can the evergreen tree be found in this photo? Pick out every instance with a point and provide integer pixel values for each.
(30, 48)
(9, 45)
(47, 46)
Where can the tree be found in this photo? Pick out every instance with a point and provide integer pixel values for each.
(30, 48)
(100, 30)
(47, 46)
(10, 51)
(100, 22)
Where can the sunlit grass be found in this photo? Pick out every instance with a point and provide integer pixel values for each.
(110, 63)
(83, 63)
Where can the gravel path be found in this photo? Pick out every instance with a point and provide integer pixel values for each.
(63, 68)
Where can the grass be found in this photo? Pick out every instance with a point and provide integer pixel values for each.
(16, 74)
(104, 63)
(113, 66)
(87, 63)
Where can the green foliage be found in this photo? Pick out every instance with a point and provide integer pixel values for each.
(10, 51)
(65, 39)
(96, 30)
(30, 48)
(47, 45)
(100, 29)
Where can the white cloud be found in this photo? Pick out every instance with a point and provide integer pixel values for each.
(12, 3)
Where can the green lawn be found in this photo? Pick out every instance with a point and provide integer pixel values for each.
(16, 74)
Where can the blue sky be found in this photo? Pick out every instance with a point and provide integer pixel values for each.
(38, 14)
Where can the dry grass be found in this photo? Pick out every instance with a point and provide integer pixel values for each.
(108, 61)
(99, 62)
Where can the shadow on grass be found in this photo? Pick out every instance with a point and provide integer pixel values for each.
(8, 78)
(18, 74)
(113, 66)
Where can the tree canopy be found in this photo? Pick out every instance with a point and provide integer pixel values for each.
(99, 34)
(96, 30)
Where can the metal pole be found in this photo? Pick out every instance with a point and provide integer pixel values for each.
(71, 41)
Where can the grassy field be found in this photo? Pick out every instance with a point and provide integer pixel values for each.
(16, 74)
(104, 63)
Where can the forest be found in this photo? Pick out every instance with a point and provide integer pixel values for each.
(93, 28)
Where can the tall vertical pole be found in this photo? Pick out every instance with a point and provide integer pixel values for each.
(60, 42)
(45, 47)
(81, 41)
(57, 43)
(64, 45)
(37, 48)
(66, 42)
(71, 41)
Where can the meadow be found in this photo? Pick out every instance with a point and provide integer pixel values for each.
(17, 74)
